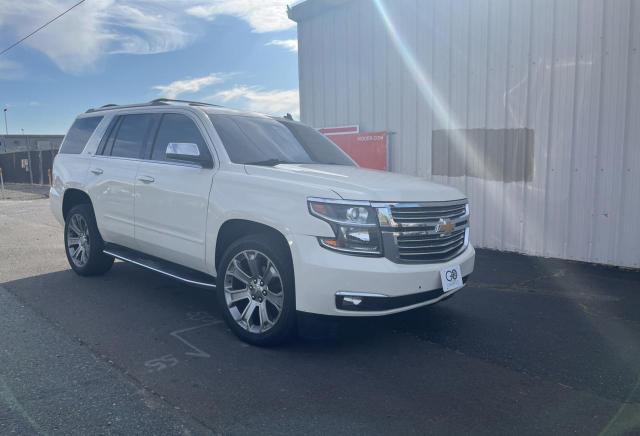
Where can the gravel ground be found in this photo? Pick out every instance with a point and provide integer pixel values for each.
(21, 191)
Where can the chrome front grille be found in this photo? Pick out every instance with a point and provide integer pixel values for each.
(424, 232)
(426, 215)
(429, 248)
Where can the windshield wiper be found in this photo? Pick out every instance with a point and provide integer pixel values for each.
(269, 162)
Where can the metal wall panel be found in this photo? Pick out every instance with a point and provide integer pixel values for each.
(568, 71)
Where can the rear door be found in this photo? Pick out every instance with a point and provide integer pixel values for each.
(172, 195)
(112, 176)
(70, 164)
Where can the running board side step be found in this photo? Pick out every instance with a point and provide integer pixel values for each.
(178, 272)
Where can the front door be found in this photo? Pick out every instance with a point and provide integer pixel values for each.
(172, 196)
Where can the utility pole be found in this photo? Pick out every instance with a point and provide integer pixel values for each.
(28, 156)
(6, 128)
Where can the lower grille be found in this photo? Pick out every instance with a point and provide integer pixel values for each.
(414, 247)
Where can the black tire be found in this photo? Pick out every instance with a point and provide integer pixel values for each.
(276, 251)
(97, 263)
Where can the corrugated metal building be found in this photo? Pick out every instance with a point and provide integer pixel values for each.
(531, 107)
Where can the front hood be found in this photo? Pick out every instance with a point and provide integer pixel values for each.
(353, 183)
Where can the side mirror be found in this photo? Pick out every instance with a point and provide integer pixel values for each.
(188, 152)
(183, 151)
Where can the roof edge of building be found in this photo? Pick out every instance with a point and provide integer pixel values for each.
(310, 8)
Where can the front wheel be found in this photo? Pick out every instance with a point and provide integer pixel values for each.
(256, 290)
(83, 242)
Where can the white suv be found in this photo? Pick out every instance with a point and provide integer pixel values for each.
(266, 211)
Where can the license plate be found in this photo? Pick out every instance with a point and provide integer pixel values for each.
(451, 278)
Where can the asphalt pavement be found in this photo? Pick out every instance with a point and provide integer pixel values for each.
(530, 346)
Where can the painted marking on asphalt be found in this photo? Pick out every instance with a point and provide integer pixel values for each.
(161, 363)
(169, 360)
(197, 351)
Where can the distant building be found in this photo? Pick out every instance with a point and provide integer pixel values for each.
(28, 158)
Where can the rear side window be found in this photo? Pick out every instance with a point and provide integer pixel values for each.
(79, 134)
(176, 128)
(131, 134)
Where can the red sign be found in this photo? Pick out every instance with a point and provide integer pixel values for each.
(369, 150)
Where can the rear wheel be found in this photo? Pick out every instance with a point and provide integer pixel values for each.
(256, 290)
(83, 242)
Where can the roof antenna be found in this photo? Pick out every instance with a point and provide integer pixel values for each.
(288, 116)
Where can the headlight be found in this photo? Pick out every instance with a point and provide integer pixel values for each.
(355, 226)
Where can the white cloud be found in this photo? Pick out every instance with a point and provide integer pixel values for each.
(289, 44)
(76, 41)
(276, 102)
(261, 15)
(142, 28)
(178, 87)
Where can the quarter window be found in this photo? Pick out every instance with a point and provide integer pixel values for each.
(177, 128)
(129, 141)
(79, 134)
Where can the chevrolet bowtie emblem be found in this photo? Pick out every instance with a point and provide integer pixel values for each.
(445, 227)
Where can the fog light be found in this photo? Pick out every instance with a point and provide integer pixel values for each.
(351, 301)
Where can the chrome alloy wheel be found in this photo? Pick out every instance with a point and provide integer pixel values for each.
(253, 291)
(78, 240)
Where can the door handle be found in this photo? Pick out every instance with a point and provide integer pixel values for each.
(146, 179)
(97, 171)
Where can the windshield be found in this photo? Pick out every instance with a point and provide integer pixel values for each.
(265, 141)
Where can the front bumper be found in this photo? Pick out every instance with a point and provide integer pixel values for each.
(369, 302)
(324, 277)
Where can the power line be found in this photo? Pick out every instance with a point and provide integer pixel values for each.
(40, 28)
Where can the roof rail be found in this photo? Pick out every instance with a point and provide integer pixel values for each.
(113, 106)
(156, 102)
(189, 102)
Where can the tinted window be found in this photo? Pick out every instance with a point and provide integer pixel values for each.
(260, 140)
(79, 134)
(107, 139)
(321, 148)
(176, 128)
(131, 134)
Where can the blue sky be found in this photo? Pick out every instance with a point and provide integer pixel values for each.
(240, 53)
